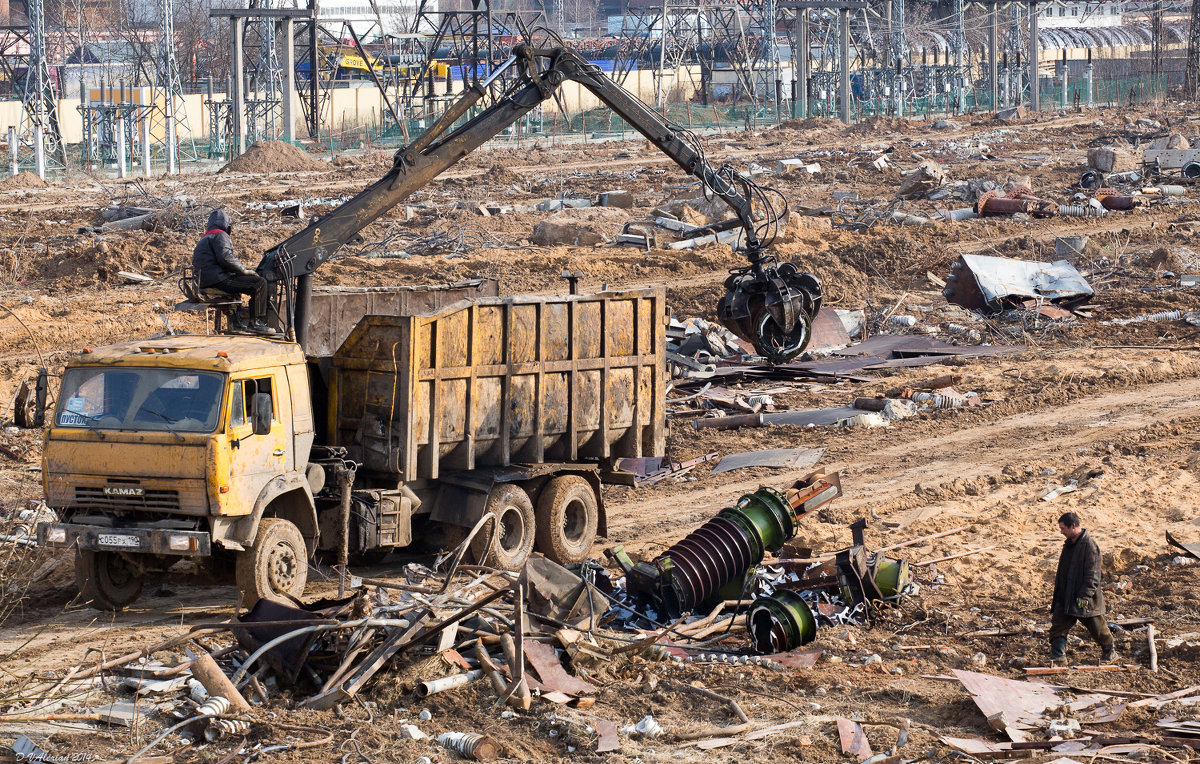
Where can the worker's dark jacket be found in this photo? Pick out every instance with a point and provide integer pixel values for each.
(213, 260)
(1078, 577)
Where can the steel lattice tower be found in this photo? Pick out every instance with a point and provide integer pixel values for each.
(37, 97)
(171, 121)
(265, 109)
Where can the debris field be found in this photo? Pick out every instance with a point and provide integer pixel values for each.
(1009, 333)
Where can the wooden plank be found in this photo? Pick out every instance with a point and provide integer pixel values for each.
(931, 536)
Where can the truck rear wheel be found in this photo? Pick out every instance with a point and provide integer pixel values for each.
(567, 516)
(276, 567)
(106, 580)
(510, 541)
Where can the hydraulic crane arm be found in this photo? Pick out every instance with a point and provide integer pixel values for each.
(768, 305)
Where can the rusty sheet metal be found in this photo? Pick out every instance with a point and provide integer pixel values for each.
(853, 739)
(1193, 550)
(828, 331)
(799, 659)
(335, 311)
(780, 458)
(500, 381)
(550, 671)
(988, 284)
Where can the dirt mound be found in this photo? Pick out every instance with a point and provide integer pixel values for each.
(275, 156)
(881, 125)
(500, 175)
(23, 179)
(811, 123)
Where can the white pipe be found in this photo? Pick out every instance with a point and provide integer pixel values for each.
(434, 686)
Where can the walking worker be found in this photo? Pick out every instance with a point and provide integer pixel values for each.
(1077, 594)
(217, 267)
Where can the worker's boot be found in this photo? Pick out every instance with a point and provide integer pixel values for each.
(236, 323)
(259, 327)
(1058, 652)
(1109, 654)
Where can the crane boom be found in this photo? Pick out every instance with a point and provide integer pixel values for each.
(769, 305)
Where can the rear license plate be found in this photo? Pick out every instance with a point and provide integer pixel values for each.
(118, 539)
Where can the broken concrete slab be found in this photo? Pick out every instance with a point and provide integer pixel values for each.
(554, 205)
(924, 178)
(1108, 159)
(1172, 141)
(1011, 115)
(619, 198)
(579, 227)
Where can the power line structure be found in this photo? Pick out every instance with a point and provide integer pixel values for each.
(170, 121)
(40, 138)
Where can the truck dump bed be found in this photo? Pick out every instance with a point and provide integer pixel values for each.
(502, 380)
(336, 310)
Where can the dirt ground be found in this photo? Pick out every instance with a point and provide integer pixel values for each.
(1084, 395)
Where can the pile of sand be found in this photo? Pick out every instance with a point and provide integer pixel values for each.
(275, 156)
(23, 179)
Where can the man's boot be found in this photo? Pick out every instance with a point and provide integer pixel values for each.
(261, 328)
(1109, 654)
(1058, 651)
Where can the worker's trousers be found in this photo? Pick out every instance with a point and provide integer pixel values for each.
(1097, 626)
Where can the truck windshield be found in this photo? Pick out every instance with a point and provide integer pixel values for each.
(125, 398)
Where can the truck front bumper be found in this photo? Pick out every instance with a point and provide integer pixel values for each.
(98, 538)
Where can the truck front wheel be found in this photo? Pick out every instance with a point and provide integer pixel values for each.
(106, 580)
(567, 516)
(509, 541)
(276, 567)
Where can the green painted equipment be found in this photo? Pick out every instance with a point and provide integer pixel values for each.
(722, 550)
(891, 576)
(781, 622)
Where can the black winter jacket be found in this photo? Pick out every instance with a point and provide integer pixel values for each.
(1078, 577)
(213, 259)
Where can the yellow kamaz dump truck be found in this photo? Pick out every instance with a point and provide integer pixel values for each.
(250, 448)
(373, 418)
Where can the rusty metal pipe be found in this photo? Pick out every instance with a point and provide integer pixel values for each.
(1113, 201)
(345, 484)
(870, 404)
(729, 422)
(992, 204)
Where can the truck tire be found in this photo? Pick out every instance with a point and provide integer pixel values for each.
(510, 541)
(106, 580)
(276, 567)
(567, 516)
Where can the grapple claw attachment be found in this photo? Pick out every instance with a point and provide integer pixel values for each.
(771, 307)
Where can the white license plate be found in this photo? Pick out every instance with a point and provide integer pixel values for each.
(118, 539)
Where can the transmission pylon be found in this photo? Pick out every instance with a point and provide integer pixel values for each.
(38, 98)
(172, 121)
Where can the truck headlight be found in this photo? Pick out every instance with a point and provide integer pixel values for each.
(181, 543)
(56, 536)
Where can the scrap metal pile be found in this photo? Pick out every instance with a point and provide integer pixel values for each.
(547, 633)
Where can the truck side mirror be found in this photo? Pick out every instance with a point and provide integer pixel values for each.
(260, 413)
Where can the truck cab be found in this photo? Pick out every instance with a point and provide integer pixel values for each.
(168, 448)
